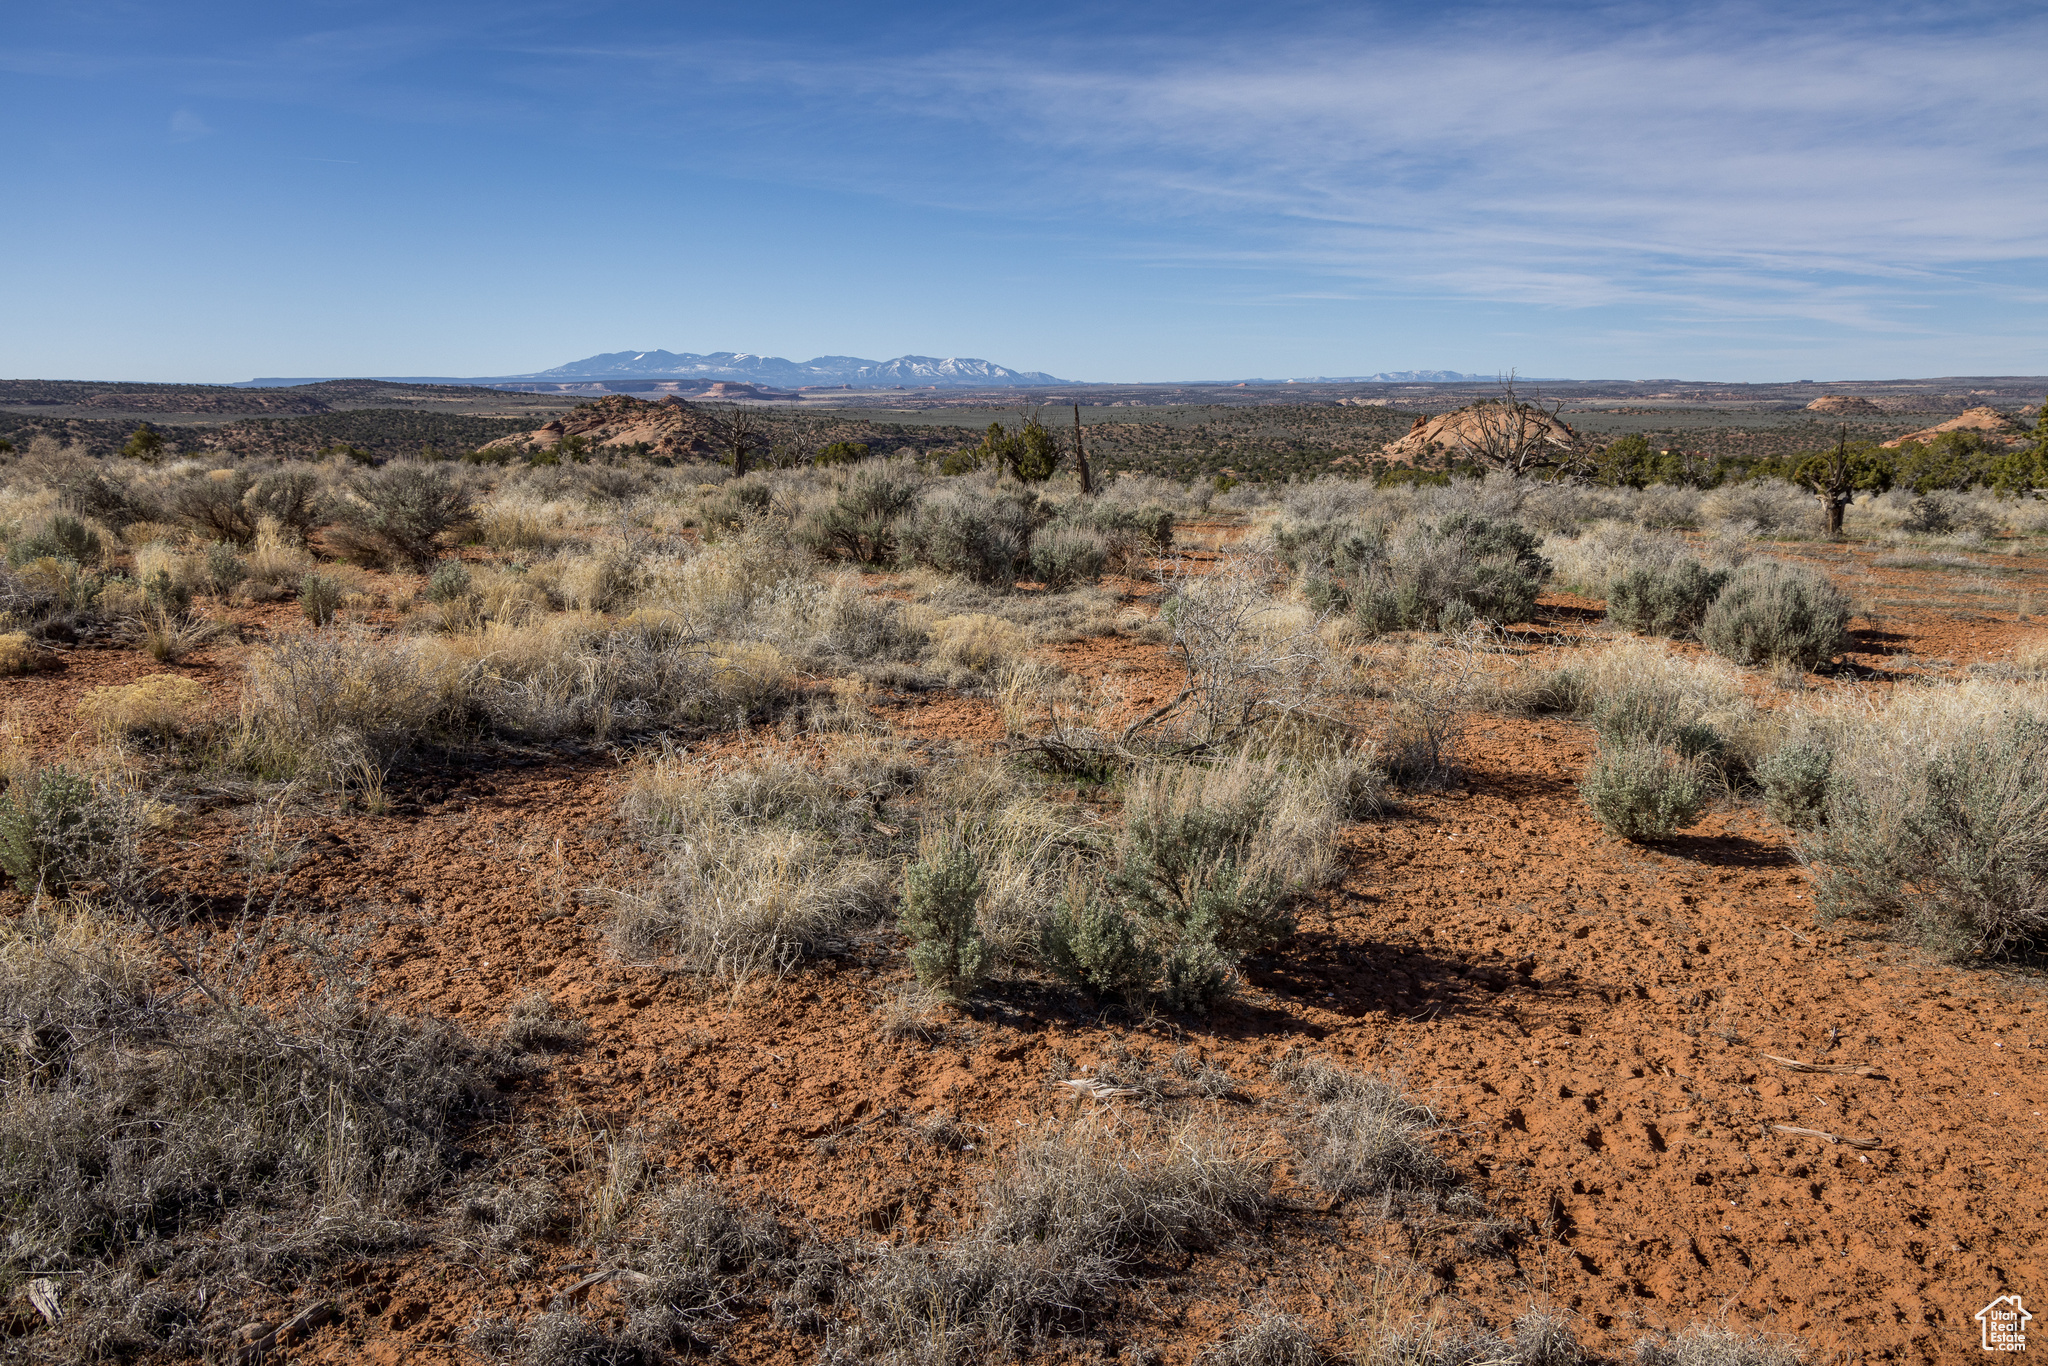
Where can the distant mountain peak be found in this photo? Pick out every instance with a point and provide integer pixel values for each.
(747, 368)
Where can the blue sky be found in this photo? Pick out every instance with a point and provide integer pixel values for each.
(1130, 192)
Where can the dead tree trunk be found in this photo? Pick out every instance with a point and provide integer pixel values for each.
(1081, 453)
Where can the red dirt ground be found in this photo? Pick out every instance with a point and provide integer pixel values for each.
(1591, 1021)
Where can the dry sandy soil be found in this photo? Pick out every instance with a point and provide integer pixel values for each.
(1600, 1028)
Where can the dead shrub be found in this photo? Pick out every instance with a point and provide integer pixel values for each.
(1433, 688)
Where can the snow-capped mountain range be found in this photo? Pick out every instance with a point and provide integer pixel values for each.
(951, 371)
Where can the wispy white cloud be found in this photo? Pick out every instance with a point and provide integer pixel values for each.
(187, 126)
(1723, 165)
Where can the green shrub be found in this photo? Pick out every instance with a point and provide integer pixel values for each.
(1091, 944)
(940, 891)
(55, 830)
(1664, 601)
(1193, 976)
(1064, 555)
(861, 523)
(224, 568)
(1777, 614)
(1433, 576)
(320, 598)
(1960, 856)
(1795, 779)
(214, 506)
(166, 595)
(1197, 869)
(1639, 792)
(972, 534)
(1699, 741)
(63, 538)
(402, 512)
(843, 453)
(450, 582)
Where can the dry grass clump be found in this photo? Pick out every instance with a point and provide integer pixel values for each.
(1643, 690)
(2028, 662)
(148, 1128)
(1761, 507)
(17, 655)
(1933, 815)
(1708, 1345)
(1537, 1339)
(976, 644)
(314, 698)
(1026, 848)
(1365, 1135)
(682, 1262)
(1271, 1339)
(763, 861)
(537, 1024)
(517, 518)
(1062, 1224)
(1586, 559)
(574, 674)
(161, 704)
(276, 561)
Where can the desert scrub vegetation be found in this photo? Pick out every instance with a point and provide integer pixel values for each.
(1771, 613)
(762, 861)
(1068, 1218)
(1422, 574)
(1203, 872)
(682, 1256)
(772, 857)
(1931, 815)
(61, 827)
(1669, 601)
(1251, 660)
(1362, 1134)
(1640, 791)
(156, 1135)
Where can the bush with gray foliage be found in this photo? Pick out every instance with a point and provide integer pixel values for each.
(1770, 613)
